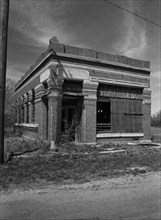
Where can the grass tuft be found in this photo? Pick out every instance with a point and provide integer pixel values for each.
(70, 164)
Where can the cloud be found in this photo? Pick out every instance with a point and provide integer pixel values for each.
(133, 43)
(39, 20)
(14, 71)
(94, 25)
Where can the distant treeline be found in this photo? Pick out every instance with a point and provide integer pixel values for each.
(156, 119)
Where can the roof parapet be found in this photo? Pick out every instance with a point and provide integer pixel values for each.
(57, 47)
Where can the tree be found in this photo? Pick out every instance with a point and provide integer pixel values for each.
(156, 119)
(70, 128)
(10, 103)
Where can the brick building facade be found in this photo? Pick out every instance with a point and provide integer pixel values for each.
(97, 96)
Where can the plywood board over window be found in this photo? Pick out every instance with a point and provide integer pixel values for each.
(133, 116)
(126, 115)
(126, 108)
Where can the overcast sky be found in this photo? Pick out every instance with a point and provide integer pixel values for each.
(92, 24)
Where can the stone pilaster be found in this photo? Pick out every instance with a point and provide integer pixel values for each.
(55, 109)
(147, 113)
(88, 121)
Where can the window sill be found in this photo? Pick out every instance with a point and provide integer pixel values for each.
(27, 125)
(118, 135)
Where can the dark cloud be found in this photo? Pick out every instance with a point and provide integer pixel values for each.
(92, 24)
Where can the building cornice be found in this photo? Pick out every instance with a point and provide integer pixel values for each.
(88, 56)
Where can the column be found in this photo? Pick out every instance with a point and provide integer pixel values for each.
(55, 110)
(88, 121)
(147, 113)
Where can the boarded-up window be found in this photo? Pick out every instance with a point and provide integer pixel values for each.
(126, 107)
(133, 116)
(126, 115)
(119, 92)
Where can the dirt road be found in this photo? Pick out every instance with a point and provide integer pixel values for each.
(127, 197)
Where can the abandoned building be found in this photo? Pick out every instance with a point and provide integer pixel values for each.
(94, 95)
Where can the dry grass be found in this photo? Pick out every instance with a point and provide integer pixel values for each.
(156, 134)
(44, 168)
(70, 164)
(18, 144)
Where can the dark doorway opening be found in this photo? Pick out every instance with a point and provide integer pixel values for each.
(103, 116)
(71, 114)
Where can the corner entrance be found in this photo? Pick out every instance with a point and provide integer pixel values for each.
(71, 115)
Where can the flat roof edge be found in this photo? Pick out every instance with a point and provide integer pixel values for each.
(103, 61)
(86, 55)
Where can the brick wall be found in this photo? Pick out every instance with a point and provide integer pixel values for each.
(50, 124)
(38, 115)
(119, 76)
(41, 118)
(88, 134)
(147, 113)
(88, 120)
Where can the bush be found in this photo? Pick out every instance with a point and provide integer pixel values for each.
(156, 119)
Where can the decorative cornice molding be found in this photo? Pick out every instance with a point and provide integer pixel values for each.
(119, 82)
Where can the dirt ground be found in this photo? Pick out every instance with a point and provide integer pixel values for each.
(112, 181)
(73, 163)
(127, 197)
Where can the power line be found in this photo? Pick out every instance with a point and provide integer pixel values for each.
(130, 12)
(118, 6)
(84, 0)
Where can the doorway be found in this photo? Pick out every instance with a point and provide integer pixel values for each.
(71, 114)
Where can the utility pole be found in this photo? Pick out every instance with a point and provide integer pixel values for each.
(4, 14)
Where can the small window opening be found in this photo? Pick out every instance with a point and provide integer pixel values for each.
(27, 109)
(45, 85)
(103, 116)
(27, 113)
(33, 106)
